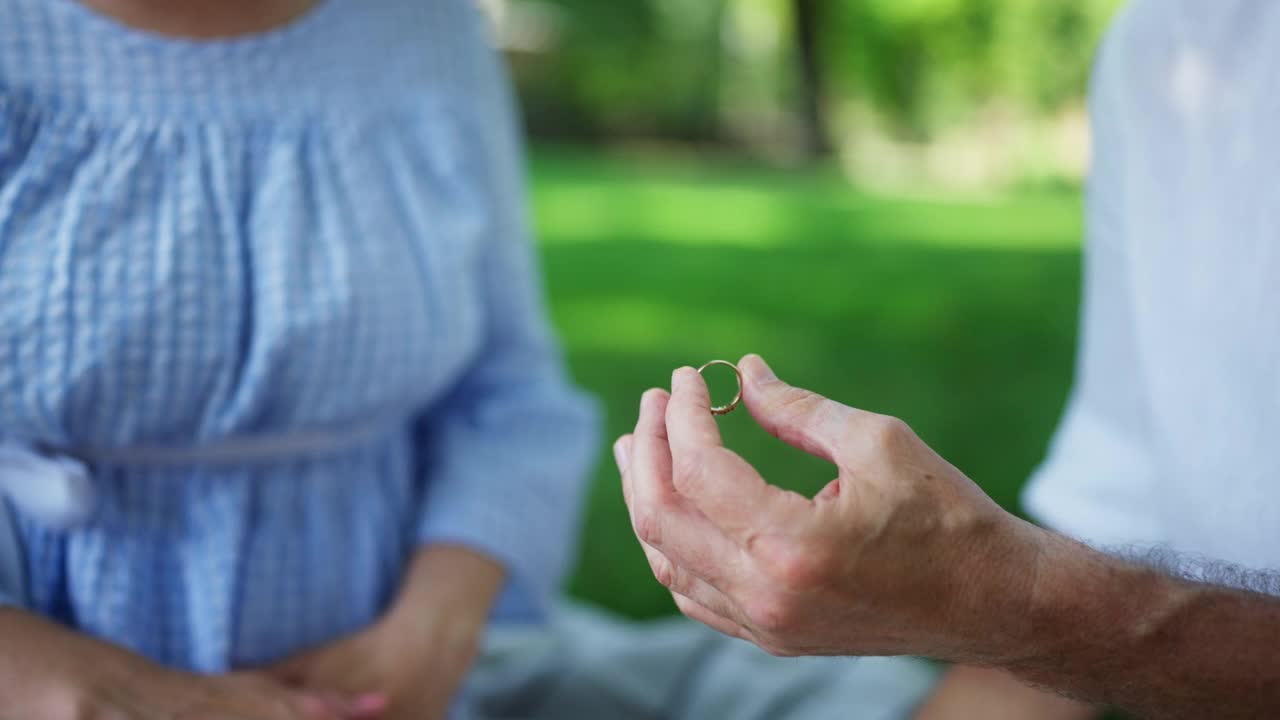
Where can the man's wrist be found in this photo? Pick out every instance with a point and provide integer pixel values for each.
(1087, 608)
(1120, 633)
(988, 618)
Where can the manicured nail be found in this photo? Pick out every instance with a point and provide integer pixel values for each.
(371, 702)
(368, 706)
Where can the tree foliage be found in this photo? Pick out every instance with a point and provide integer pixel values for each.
(928, 62)
(659, 67)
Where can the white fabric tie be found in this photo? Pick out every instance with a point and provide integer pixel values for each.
(54, 489)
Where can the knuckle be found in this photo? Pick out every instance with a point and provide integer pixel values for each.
(696, 470)
(687, 469)
(664, 572)
(803, 570)
(648, 527)
(772, 614)
(794, 402)
(888, 431)
(796, 564)
(678, 580)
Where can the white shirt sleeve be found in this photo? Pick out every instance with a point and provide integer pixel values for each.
(1097, 483)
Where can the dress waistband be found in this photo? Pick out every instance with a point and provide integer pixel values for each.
(54, 485)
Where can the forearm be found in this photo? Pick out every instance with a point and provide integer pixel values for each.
(506, 469)
(43, 665)
(447, 593)
(32, 649)
(1117, 633)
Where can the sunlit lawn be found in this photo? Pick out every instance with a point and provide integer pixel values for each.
(958, 316)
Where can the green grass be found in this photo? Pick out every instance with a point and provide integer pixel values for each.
(955, 315)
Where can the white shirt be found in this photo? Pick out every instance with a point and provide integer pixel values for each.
(1172, 433)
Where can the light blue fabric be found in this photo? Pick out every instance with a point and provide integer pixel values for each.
(312, 229)
(13, 567)
(591, 665)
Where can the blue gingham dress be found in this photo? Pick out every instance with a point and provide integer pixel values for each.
(315, 232)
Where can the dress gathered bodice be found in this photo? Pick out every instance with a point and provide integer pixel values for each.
(315, 231)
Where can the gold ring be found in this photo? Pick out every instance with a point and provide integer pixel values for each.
(726, 409)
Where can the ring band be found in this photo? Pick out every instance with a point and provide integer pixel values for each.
(726, 409)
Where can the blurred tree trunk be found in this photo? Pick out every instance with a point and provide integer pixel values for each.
(712, 75)
(808, 16)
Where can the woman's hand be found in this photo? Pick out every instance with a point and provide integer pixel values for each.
(416, 657)
(52, 673)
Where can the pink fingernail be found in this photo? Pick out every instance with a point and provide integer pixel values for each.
(620, 454)
(370, 705)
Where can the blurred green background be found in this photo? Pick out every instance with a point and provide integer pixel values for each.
(881, 197)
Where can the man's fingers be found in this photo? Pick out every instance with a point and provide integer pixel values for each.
(690, 424)
(622, 456)
(648, 446)
(647, 480)
(716, 482)
(726, 489)
(798, 417)
(694, 610)
(669, 527)
(683, 582)
(661, 518)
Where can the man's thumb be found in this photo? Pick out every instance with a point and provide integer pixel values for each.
(798, 417)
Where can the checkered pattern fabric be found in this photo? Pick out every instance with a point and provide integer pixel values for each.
(314, 228)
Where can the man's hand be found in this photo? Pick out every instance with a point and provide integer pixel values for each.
(411, 664)
(900, 554)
